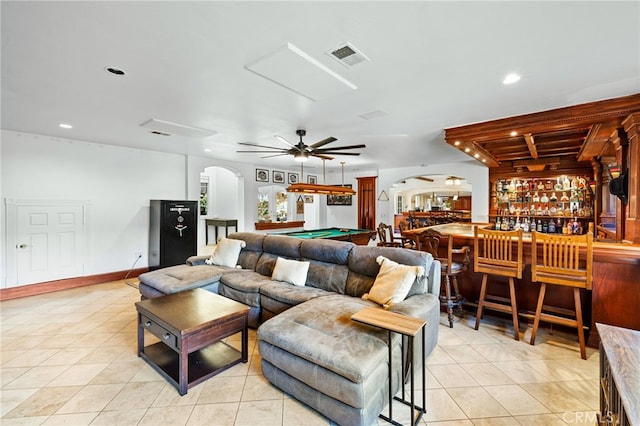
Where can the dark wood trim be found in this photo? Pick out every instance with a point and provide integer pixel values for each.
(265, 226)
(65, 284)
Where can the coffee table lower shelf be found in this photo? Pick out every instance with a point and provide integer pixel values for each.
(203, 363)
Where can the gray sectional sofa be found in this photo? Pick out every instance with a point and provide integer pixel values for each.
(309, 345)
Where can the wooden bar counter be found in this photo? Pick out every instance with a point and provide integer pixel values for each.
(615, 296)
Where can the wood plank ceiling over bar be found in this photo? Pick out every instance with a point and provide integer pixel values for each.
(545, 140)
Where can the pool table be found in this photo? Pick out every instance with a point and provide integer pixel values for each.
(357, 236)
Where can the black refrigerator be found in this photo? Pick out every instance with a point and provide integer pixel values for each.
(173, 232)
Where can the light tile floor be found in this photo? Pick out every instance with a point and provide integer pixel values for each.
(70, 358)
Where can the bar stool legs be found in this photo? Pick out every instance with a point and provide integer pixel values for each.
(502, 307)
(451, 300)
(575, 323)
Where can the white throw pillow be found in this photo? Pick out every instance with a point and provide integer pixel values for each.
(393, 282)
(226, 252)
(290, 271)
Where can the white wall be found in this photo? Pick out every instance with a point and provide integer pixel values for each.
(118, 182)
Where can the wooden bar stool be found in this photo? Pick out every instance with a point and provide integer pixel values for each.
(429, 241)
(559, 260)
(493, 254)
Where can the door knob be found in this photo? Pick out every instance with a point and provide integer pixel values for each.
(23, 246)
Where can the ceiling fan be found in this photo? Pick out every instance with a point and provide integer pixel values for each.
(301, 151)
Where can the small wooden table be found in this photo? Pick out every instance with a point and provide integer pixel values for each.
(190, 326)
(215, 222)
(407, 326)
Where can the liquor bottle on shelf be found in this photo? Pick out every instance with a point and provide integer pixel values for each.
(558, 227)
(564, 197)
(499, 186)
(533, 225)
(526, 225)
(553, 197)
(558, 185)
(545, 227)
(525, 185)
(548, 186)
(540, 186)
(574, 182)
(512, 186)
(564, 227)
(539, 228)
(518, 186)
(552, 227)
(517, 225)
(544, 198)
(567, 183)
(498, 224)
(536, 197)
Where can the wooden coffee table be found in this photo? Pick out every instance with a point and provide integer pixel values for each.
(190, 326)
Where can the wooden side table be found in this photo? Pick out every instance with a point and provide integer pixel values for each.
(409, 327)
(190, 326)
(216, 222)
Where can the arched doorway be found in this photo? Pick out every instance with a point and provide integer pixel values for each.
(426, 196)
(221, 196)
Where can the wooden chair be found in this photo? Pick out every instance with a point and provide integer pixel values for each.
(565, 261)
(385, 236)
(429, 241)
(493, 254)
(406, 242)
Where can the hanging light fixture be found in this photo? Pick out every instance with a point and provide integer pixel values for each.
(311, 188)
(453, 181)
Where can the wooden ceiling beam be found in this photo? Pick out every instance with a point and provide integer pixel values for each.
(528, 138)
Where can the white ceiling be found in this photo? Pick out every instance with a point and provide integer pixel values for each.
(433, 65)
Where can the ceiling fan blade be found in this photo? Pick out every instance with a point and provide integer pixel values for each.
(283, 151)
(340, 153)
(323, 142)
(280, 138)
(276, 155)
(333, 148)
(259, 146)
(426, 179)
(324, 157)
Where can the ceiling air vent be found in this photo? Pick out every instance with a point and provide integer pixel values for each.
(348, 55)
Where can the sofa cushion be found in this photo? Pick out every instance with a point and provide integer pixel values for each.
(251, 253)
(178, 278)
(226, 252)
(290, 271)
(363, 268)
(393, 282)
(328, 269)
(243, 287)
(289, 294)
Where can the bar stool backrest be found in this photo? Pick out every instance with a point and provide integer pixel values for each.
(494, 252)
(429, 241)
(561, 259)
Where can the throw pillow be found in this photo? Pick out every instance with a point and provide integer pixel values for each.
(393, 282)
(226, 252)
(290, 271)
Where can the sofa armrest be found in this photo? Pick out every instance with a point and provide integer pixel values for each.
(197, 260)
(414, 306)
(434, 276)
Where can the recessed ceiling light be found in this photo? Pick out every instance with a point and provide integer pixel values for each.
(477, 155)
(467, 149)
(484, 160)
(456, 143)
(65, 126)
(511, 78)
(207, 150)
(514, 133)
(114, 70)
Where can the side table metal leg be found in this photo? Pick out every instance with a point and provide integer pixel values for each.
(140, 335)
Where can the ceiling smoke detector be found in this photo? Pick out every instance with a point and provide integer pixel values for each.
(348, 55)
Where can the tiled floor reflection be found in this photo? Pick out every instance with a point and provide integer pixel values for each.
(70, 358)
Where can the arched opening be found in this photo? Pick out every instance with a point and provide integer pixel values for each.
(221, 196)
(424, 200)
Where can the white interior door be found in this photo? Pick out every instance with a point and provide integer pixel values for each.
(49, 241)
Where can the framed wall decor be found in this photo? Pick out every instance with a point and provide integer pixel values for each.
(312, 179)
(308, 199)
(262, 175)
(292, 178)
(339, 200)
(278, 177)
